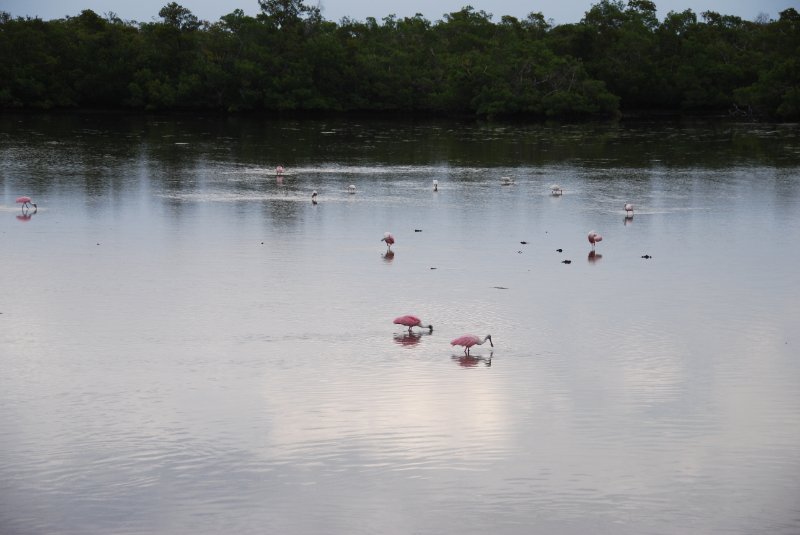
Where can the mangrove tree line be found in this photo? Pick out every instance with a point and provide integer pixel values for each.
(619, 57)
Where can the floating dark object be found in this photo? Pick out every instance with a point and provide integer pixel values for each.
(417, 230)
(501, 287)
(524, 243)
(566, 261)
(559, 250)
(433, 268)
(647, 256)
(519, 252)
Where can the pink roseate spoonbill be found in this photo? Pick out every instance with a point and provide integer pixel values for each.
(351, 189)
(594, 237)
(389, 239)
(469, 340)
(279, 170)
(628, 210)
(412, 321)
(314, 197)
(26, 202)
(556, 189)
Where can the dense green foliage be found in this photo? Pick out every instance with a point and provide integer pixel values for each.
(618, 57)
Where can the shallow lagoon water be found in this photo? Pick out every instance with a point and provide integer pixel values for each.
(188, 345)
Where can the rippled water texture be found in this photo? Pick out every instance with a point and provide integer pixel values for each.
(189, 346)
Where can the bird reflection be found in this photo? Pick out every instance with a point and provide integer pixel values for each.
(594, 257)
(628, 219)
(470, 361)
(279, 180)
(27, 214)
(388, 256)
(407, 339)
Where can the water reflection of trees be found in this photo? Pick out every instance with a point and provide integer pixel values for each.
(111, 154)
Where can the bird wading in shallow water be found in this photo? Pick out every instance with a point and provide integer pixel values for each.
(389, 239)
(26, 203)
(412, 321)
(628, 210)
(469, 340)
(594, 237)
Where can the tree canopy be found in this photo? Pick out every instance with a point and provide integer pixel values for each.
(619, 57)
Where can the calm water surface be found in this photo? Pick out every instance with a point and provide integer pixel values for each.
(188, 345)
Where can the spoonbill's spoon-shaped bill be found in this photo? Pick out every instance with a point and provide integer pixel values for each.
(412, 321)
(469, 340)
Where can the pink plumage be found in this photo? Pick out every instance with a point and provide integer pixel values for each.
(388, 238)
(594, 237)
(469, 340)
(26, 202)
(411, 321)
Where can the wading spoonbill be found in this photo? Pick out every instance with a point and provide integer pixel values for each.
(412, 321)
(26, 202)
(469, 340)
(628, 209)
(389, 239)
(594, 237)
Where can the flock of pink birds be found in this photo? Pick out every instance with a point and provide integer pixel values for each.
(467, 340)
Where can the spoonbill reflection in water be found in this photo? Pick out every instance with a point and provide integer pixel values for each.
(412, 321)
(468, 361)
(409, 340)
(469, 340)
(593, 257)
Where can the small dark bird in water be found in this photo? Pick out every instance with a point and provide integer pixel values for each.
(524, 243)
(647, 256)
(433, 268)
(417, 230)
(559, 250)
(566, 261)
